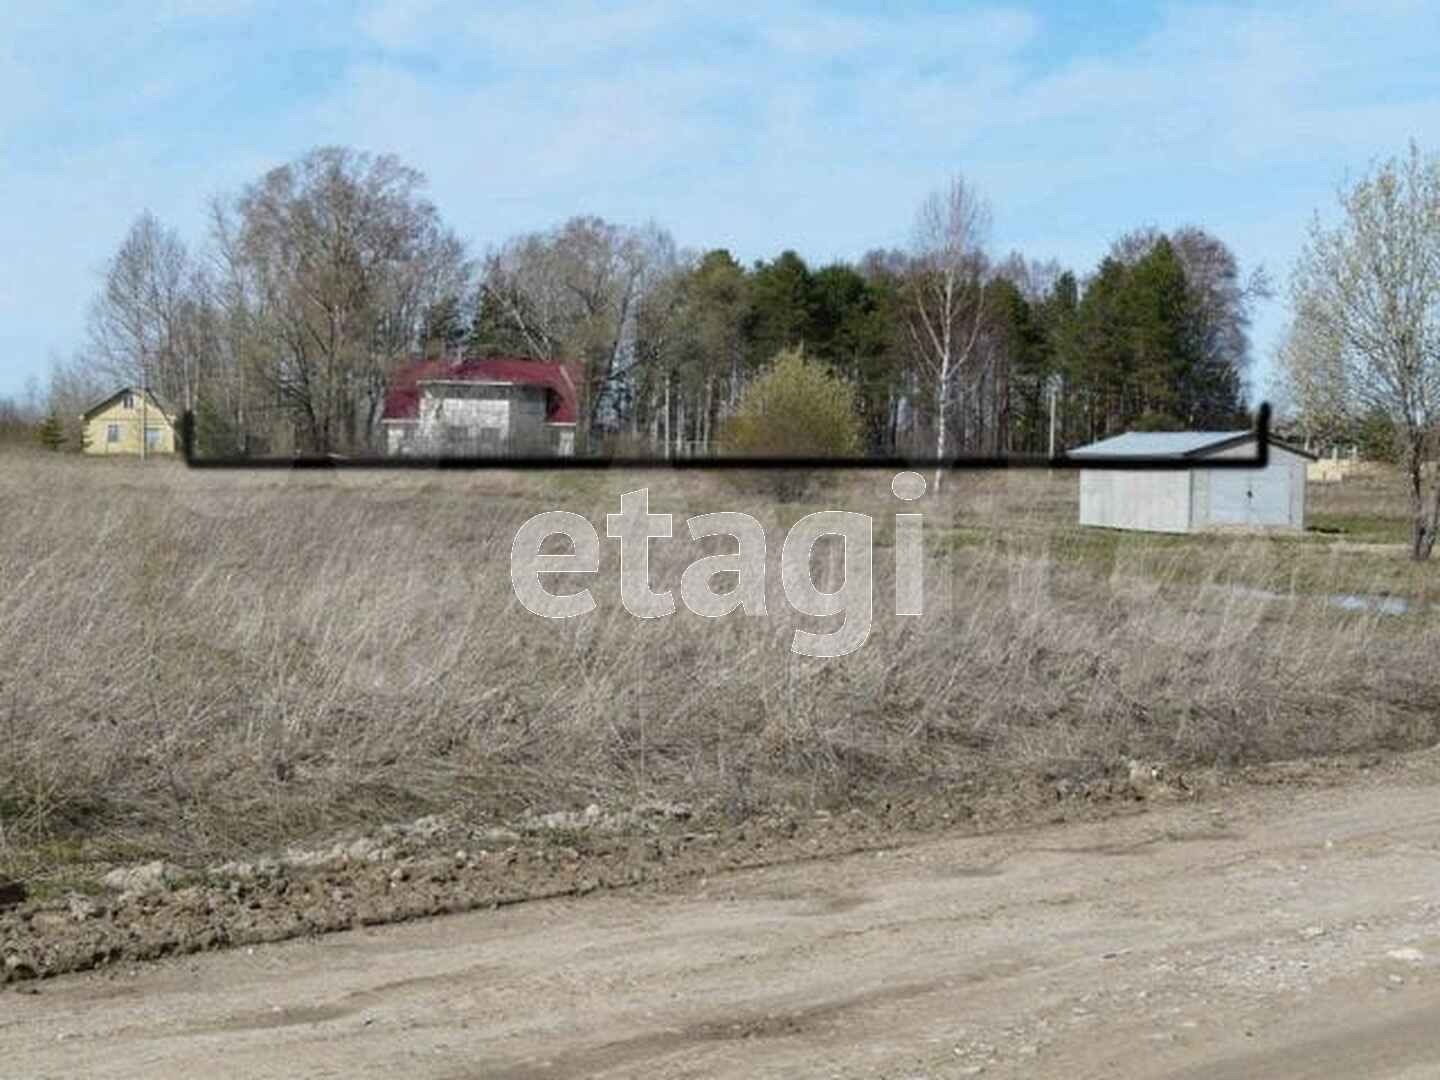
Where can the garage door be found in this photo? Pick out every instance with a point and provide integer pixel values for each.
(1255, 497)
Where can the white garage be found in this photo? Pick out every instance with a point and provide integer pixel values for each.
(1195, 498)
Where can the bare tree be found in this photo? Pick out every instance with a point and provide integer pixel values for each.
(1034, 278)
(944, 293)
(343, 255)
(137, 321)
(573, 294)
(1220, 300)
(666, 353)
(74, 386)
(522, 306)
(20, 417)
(1369, 289)
(237, 407)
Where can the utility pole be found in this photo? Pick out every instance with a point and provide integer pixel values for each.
(667, 414)
(144, 412)
(1052, 417)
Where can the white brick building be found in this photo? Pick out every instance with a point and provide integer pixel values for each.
(497, 406)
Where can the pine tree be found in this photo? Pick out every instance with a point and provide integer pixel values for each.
(1103, 360)
(1156, 311)
(850, 331)
(1023, 367)
(51, 432)
(1058, 317)
(443, 328)
(782, 303)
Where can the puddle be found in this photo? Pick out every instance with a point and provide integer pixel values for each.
(991, 870)
(1385, 605)
(1356, 602)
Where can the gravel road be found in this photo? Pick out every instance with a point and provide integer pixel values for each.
(1277, 932)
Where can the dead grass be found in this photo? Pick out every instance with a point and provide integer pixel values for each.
(202, 663)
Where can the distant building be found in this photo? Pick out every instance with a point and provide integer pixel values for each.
(480, 407)
(115, 425)
(1338, 463)
(1191, 499)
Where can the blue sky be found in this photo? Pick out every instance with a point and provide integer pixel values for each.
(754, 126)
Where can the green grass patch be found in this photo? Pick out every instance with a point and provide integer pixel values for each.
(1309, 563)
(1366, 528)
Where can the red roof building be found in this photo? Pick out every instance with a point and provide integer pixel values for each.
(480, 406)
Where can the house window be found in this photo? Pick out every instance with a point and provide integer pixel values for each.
(127, 401)
(112, 433)
(154, 438)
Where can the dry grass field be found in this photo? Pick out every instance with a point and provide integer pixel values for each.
(202, 664)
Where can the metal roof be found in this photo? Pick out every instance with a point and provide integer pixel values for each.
(1160, 444)
(402, 398)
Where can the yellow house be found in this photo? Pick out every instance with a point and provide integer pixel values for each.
(113, 426)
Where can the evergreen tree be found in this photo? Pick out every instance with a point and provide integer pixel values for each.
(51, 432)
(495, 328)
(719, 299)
(1102, 360)
(781, 307)
(1023, 363)
(1057, 317)
(443, 329)
(1155, 310)
(851, 331)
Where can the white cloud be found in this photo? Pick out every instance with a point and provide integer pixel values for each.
(751, 125)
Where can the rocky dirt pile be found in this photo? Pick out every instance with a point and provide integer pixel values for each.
(437, 865)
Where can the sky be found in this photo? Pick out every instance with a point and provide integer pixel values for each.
(748, 125)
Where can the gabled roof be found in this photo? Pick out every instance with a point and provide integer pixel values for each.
(402, 399)
(1159, 444)
(159, 405)
(1172, 445)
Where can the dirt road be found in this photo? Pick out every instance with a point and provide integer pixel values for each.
(1281, 933)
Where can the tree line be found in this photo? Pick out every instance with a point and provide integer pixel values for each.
(315, 283)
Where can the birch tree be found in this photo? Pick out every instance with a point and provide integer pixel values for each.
(944, 296)
(138, 320)
(1368, 288)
